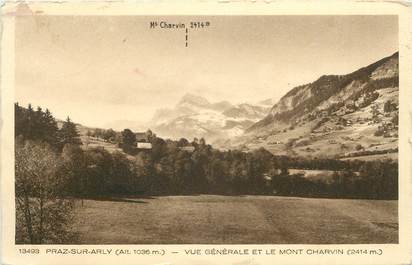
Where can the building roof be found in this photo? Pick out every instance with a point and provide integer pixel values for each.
(188, 148)
(141, 136)
(144, 145)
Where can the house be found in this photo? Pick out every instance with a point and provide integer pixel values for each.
(142, 137)
(141, 145)
(143, 140)
(188, 148)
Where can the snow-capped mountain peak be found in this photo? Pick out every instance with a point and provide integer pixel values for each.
(195, 116)
(191, 99)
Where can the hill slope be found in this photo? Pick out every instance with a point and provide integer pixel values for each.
(335, 116)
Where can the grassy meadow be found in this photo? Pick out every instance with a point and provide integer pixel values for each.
(214, 219)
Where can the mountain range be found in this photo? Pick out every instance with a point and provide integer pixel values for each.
(195, 116)
(342, 116)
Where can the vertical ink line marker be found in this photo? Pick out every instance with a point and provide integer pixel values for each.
(186, 37)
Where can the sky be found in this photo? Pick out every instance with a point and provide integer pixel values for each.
(101, 69)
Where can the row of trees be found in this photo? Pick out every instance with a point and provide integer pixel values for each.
(166, 169)
(376, 180)
(108, 135)
(41, 126)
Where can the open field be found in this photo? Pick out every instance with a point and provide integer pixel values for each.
(236, 220)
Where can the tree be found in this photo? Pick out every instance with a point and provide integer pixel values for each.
(218, 175)
(167, 171)
(182, 142)
(389, 106)
(73, 169)
(239, 176)
(395, 119)
(19, 121)
(98, 133)
(109, 135)
(368, 98)
(50, 129)
(69, 134)
(195, 142)
(118, 138)
(128, 140)
(38, 132)
(183, 181)
(375, 113)
(145, 171)
(30, 125)
(121, 175)
(259, 162)
(200, 160)
(150, 136)
(36, 125)
(159, 148)
(359, 147)
(42, 215)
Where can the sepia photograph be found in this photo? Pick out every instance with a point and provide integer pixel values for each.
(241, 129)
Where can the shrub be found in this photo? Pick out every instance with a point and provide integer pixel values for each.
(389, 106)
(395, 119)
(359, 147)
(379, 132)
(369, 98)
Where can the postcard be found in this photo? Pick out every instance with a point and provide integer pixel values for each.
(245, 133)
